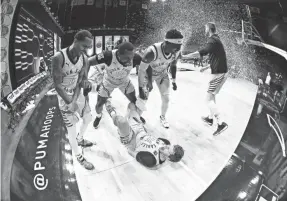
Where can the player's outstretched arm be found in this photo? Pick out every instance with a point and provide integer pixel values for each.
(191, 55)
(146, 60)
(93, 60)
(56, 64)
(102, 58)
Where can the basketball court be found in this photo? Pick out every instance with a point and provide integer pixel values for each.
(118, 176)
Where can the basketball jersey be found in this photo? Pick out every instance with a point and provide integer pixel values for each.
(71, 72)
(117, 73)
(150, 144)
(140, 140)
(161, 61)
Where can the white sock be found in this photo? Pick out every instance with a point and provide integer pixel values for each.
(99, 115)
(219, 120)
(79, 137)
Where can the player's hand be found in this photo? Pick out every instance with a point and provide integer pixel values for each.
(149, 86)
(174, 86)
(142, 93)
(86, 91)
(202, 69)
(85, 84)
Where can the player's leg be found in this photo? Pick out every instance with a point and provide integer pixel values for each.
(214, 87)
(164, 87)
(221, 125)
(210, 102)
(85, 112)
(124, 129)
(104, 93)
(71, 119)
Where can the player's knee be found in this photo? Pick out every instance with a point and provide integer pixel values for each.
(87, 118)
(131, 106)
(119, 121)
(209, 97)
(165, 98)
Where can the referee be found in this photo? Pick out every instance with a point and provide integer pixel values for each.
(218, 64)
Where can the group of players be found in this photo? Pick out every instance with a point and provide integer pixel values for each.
(70, 70)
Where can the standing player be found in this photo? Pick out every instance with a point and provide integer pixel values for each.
(159, 57)
(218, 65)
(148, 150)
(69, 70)
(119, 63)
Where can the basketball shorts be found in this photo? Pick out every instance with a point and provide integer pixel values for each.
(163, 83)
(107, 87)
(82, 108)
(216, 83)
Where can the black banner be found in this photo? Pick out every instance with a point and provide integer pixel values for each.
(43, 168)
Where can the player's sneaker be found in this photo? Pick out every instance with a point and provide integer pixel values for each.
(85, 143)
(207, 120)
(163, 121)
(97, 122)
(109, 107)
(85, 163)
(220, 128)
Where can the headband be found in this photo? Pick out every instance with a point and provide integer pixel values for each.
(174, 40)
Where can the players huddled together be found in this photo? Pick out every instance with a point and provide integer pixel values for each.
(157, 63)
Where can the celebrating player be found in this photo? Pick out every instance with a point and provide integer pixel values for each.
(147, 149)
(119, 63)
(69, 70)
(159, 57)
(218, 65)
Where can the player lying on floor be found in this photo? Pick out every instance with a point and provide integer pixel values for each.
(148, 150)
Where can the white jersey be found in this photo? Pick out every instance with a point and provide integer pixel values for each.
(144, 142)
(148, 143)
(161, 61)
(116, 72)
(71, 72)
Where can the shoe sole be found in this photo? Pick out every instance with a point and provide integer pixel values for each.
(89, 168)
(218, 133)
(86, 145)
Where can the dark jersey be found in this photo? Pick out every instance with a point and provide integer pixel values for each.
(217, 55)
